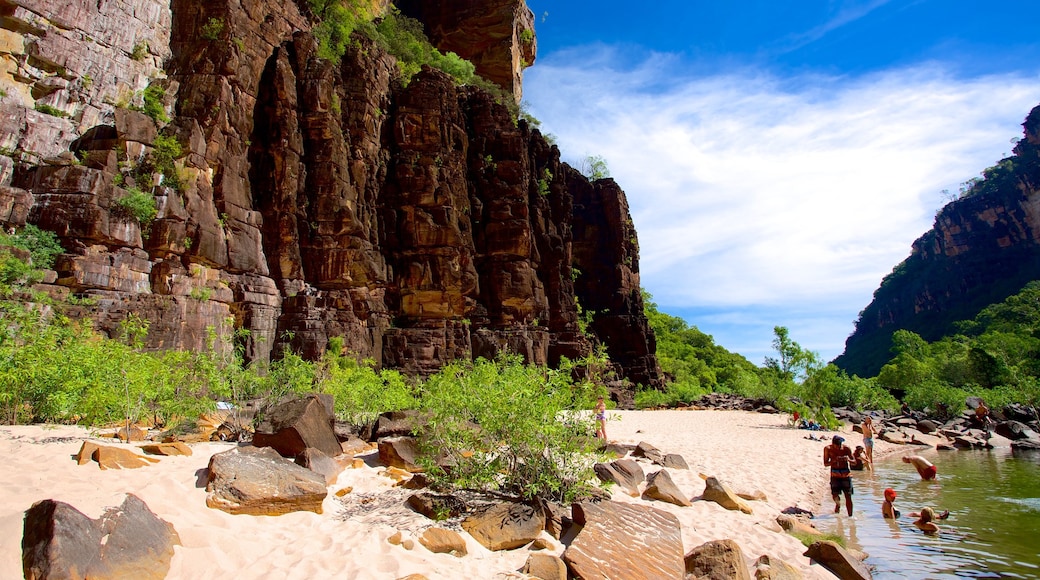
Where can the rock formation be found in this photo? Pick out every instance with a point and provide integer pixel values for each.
(983, 248)
(301, 200)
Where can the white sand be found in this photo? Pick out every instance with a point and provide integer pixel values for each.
(748, 452)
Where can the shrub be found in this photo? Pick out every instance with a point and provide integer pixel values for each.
(137, 205)
(361, 393)
(212, 29)
(49, 110)
(503, 425)
(42, 245)
(139, 51)
(153, 103)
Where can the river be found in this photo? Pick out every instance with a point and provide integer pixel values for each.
(994, 526)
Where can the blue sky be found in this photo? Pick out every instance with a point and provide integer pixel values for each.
(779, 160)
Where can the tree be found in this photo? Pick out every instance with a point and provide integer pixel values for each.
(594, 167)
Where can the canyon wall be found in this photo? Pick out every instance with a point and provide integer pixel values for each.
(983, 248)
(421, 223)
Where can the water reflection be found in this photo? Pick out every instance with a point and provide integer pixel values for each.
(994, 502)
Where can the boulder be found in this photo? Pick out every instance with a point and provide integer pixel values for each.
(618, 450)
(839, 561)
(927, 426)
(167, 449)
(919, 438)
(968, 442)
(442, 541)
(505, 526)
(436, 506)
(770, 568)
(717, 492)
(626, 473)
(717, 560)
(674, 461)
(108, 457)
(1025, 445)
(545, 567)
(59, 541)
(295, 425)
(316, 461)
(396, 424)
(353, 445)
(660, 487)
(131, 433)
(617, 541)
(400, 452)
(644, 449)
(797, 525)
(259, 481)
(557, 518)
(1014, 430)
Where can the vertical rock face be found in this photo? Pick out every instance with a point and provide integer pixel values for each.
(982, 249)
(420, 224)
(498, 37)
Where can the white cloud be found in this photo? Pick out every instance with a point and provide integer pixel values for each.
(797, 195)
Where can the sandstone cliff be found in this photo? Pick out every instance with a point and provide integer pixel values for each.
(307, 200)
(983, 248)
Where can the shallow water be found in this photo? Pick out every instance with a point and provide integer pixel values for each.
(992, 532)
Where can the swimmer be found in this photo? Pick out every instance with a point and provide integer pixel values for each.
(925, 468)
(888, 511)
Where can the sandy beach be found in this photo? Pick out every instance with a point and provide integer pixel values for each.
(748, 452)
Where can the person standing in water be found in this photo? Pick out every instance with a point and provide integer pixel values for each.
(838, 457)
(925, 469)
(868, 440)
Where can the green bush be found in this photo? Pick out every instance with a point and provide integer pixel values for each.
(137, 205)
(502, 425)
(360, 393)
(49, 110)
(154, 107)
(212, 29)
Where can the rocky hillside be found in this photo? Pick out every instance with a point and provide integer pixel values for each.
(300, 200)
(983, 248)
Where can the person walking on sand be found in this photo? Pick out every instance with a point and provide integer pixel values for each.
(868, 440)
(925, 469)
(601, 419)
(838, 457)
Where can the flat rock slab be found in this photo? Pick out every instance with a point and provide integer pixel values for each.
(506, 526)
(619, 541)
(167, 449)
(108, 457)
(259, 481)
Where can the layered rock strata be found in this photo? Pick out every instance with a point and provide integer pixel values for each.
(308, 200)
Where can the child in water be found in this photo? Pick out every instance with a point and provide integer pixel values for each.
(888, 510)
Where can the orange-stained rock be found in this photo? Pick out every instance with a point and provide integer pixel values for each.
(108, 457)
(624, 542)
(174, 448)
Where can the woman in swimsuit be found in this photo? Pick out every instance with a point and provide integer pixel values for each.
(868, 440)
(601, 419)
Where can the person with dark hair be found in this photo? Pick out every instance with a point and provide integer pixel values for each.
(838, 457)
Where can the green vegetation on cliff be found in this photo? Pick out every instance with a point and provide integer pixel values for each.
(995, 356)
(979, 252)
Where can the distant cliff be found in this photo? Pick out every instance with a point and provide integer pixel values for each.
(300, 200)
(983, 248)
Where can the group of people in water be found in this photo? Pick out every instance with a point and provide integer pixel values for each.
(842, 461)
